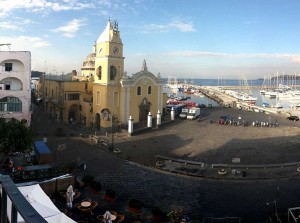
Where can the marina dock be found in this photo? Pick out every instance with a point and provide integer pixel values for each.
(226, 100)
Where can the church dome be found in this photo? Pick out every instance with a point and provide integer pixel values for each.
(89, 62)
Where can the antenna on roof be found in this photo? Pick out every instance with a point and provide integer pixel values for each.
(5, 44)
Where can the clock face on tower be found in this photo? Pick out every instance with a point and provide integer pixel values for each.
(115, 50)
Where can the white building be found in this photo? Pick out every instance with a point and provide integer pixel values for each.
(15, 92)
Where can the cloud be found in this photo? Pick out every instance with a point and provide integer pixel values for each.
(36, 42)
(8, 26)
(290, 57)
(16, 25)
(183, 27)
(27, 43)
(71, 28)
(7, 6)
(175, 25)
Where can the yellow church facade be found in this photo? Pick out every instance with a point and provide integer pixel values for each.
(104, 94)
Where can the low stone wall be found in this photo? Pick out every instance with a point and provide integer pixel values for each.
(58, 184)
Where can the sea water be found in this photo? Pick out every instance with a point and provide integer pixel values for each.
(215, 82)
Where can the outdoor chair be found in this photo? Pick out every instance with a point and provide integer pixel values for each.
(63, 194)
(77, 195)
(120, 218)
(94, 204)
(100, 218)
(114, 213)
(86, 211)
(77, 205)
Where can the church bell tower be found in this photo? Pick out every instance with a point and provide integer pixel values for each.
(109, 68)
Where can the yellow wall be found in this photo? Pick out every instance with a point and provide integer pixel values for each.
(136, 100)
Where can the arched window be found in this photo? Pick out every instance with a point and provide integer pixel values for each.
(149, 90)
(116, 99)
(139, 90)
(113, 73)
(10, 104)
(99, 72)
(98, 98)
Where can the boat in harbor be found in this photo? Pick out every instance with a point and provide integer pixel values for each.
(181, 98)
(249, 99)
(265, 104)
(271, 94)
(199, 94)
(262, 92)
(295, 106)
(187, 103)
(278, 105)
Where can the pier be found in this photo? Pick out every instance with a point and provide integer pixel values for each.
(221, 98)
(218, 95)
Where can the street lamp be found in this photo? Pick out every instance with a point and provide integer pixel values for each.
(114, 122)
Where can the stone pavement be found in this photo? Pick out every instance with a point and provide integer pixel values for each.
(132, 173)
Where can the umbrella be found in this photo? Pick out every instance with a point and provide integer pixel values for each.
(70, 195)
(107, 217)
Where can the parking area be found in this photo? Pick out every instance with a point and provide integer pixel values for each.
(208, 141)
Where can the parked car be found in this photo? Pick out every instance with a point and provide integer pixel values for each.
(293, 118)
(224, 119)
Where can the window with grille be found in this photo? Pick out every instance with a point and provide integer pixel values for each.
(139, 90)
(149, 90)
(73, 97)
(8, 66)
(12, 104)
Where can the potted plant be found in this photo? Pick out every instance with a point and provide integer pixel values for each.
(87, 179)
(159, 163)
(135, 205)
(110, 195)
(117, 150)
(95, 187)
(158, 215)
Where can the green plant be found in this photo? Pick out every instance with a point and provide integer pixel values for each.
(110, 193)
(87, 179)
(96, 186)
(136, 204)
(159, 214)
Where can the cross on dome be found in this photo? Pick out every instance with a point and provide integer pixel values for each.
(144, 68)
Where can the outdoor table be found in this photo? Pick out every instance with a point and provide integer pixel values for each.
(85, 204)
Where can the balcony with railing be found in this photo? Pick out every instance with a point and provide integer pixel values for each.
(19, 204)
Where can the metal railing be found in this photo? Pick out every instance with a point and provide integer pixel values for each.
(19, 204)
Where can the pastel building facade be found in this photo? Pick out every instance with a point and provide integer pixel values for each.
(104, 93)
(15, 91)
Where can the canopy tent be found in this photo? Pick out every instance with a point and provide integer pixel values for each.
(60, 218)
(40, 202)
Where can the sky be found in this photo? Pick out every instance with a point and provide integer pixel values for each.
(177, 38)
